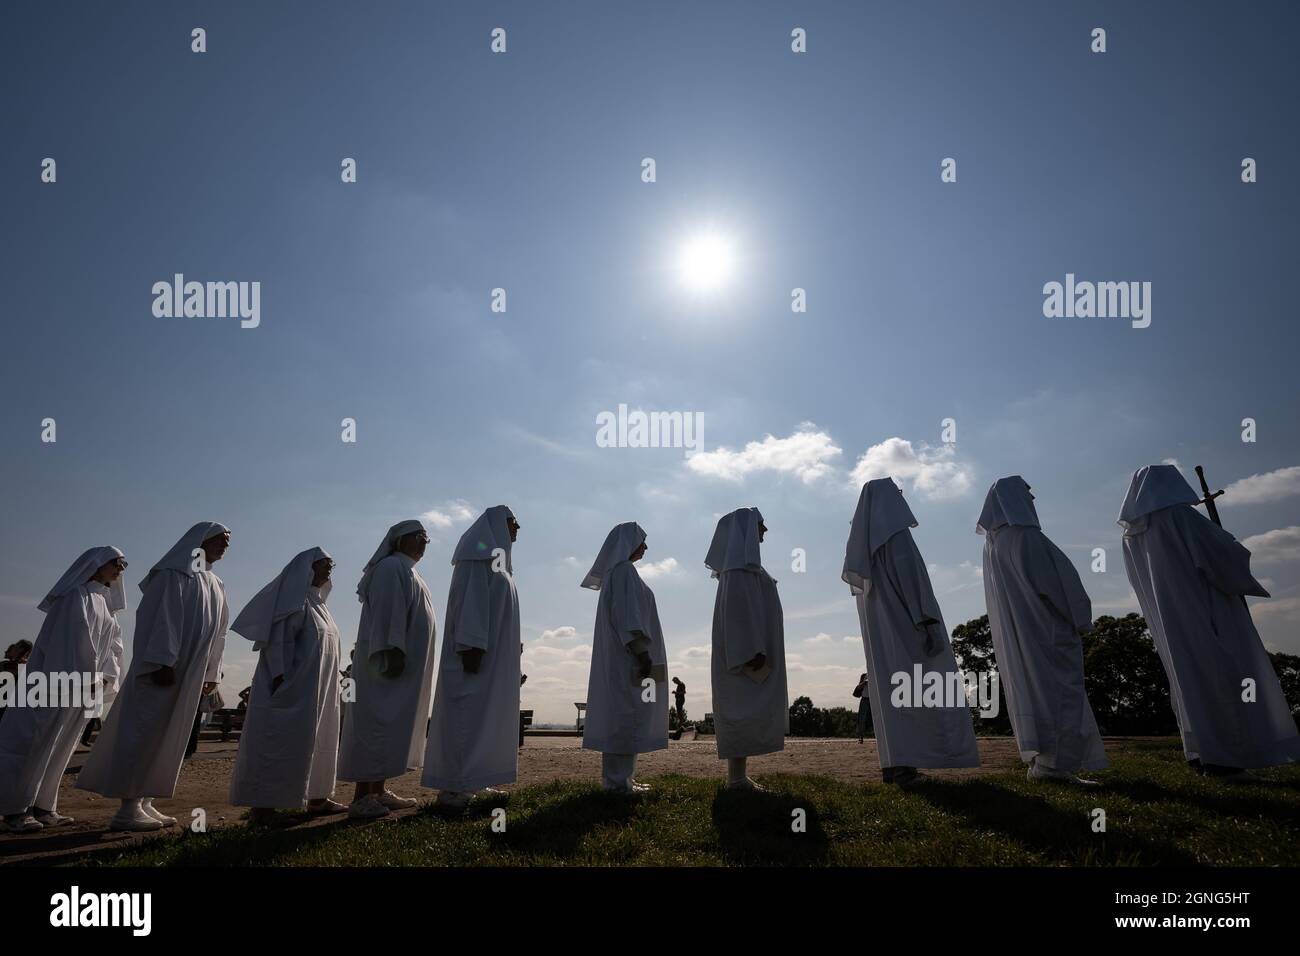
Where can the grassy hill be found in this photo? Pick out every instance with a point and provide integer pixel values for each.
(1157, 813)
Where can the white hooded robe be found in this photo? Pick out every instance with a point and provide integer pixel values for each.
(181, 624)
(1037, 608)
(749, 717)
(384, 726)
(903, 629)
(1190, 577)
(80, 635)
(619, 718)
(288, 749)
(474, 731)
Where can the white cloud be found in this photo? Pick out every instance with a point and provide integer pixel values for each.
(564, 632)
(853, 639)
(1261, 489)
(932, 472)
(449, 514)
(695, 653)
(1277, 607)
(1281, 544)
(658, 569)
(806, 454)
(822, 638)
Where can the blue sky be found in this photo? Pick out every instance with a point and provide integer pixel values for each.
(523, 171)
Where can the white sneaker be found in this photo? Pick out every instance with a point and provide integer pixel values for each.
(148, 807)
(22, 823)
(746, 784)
(133, 819)
(453, 799)
(393, 802)
(51, 818)
(368, 807)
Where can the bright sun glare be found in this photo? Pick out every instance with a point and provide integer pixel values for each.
(706, 262)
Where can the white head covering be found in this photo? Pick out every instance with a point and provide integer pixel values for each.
(881, 514)
(386, 547)
(181, 556)
(1154, 487)
(735, 542)
(619, 544)
(1008, 502)
(282, 597)
(488, 532)
(82, 570)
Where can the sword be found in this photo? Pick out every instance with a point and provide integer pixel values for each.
(1213, 511)
(1208, 500)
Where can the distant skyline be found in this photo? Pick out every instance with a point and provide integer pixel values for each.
(523, 171)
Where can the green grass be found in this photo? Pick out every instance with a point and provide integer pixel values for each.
(1157, 813)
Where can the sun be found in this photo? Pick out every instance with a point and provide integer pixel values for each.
(706, 261)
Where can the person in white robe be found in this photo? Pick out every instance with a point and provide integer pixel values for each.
(474, 731)
(288, 749)
(751, 707)
(180, 635)
(904, 636)
(627, 690)
(1037, 611)
(1191, 578)
(79, 636)
(384, 725)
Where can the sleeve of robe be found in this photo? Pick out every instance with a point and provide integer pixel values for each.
(281, 648)
(213, 674)
(1055, 579)
(159, 622)
(110, 663)
(389, 600)
(627, 609)
(744, 624)
(1219, 556)
(474, 623)
(905, 570)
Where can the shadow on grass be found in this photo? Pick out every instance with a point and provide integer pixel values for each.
(1265, 798)
(1061, 836)
(557, 829)
(756, 829)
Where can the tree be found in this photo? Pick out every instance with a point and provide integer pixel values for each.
(972, 645)
(1124, 678)
(803, 718)
(1288, 672)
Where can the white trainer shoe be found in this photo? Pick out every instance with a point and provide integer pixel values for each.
(368, 807)
(148, 807)
(22, 823)
(393, 802)
(51, 818)
(133, 819)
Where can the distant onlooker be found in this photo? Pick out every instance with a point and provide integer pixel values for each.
(17, 653)
(679, 701)
(864, 707)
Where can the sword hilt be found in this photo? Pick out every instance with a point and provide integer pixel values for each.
(1208, 497)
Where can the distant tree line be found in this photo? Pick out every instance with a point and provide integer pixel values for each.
(1123, 677)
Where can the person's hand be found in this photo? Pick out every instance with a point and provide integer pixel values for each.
(646, 665)
(471, 659)
(394, 663)
(209, 687)
(276, 682)
(163, 677)
(758, 662)
(523, 679)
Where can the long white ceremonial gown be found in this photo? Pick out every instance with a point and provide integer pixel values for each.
(383, 731)
(619, 718)
(1037, 606)
(1190, 577)
(77, 637)
(902, 628)
(181, 624)
(474, 730)
(288, 749)
(749, 717)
